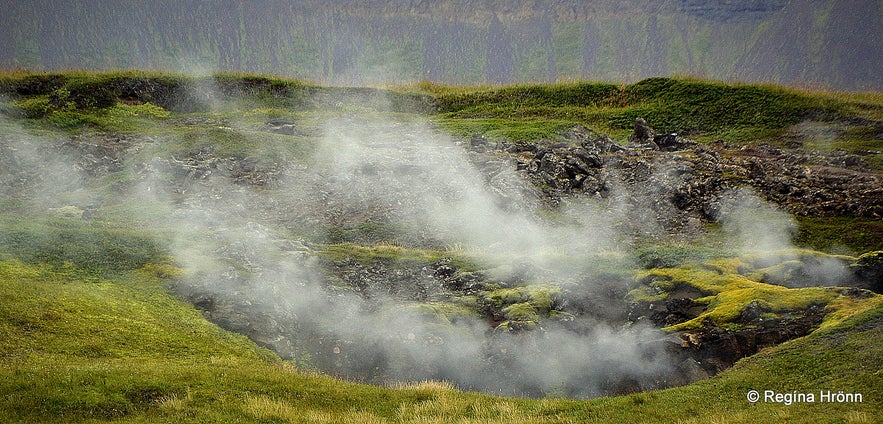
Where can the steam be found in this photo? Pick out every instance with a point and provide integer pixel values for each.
(38, 169)
(764, 236)
(425, 180)
(249, 273)
(754, 225)
(252, 274)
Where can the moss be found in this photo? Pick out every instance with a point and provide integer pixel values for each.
(515, 326)
(834, 234)
(654, 287)
(729, 292)
(506, 296)
(524, 311)
(843, 307)
(872, 259)
(380, 252)
(561, 316)
(35, 107)
(528, 302)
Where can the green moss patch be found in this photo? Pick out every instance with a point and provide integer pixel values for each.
(732, 284)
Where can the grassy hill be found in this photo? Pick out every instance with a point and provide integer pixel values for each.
(89, 331)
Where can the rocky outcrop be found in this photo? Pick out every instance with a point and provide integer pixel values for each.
(681, 182)
(868, 271)
(716, 349)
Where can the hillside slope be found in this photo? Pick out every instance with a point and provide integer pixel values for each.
(490, 41)
(84, 349)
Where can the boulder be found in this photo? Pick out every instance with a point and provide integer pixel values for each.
(642, 134)
(281, 126)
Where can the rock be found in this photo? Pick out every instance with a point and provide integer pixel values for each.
(868, 270)
(717, 349)
(691, 371)
(281, 126)
(591, 159)
(580, 134)
(277, 122)
(478, 141)
(642, 134)
(443, 269)
(671, 142)
(753, 313)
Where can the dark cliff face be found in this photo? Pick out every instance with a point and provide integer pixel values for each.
(819, 42)
(724, 11)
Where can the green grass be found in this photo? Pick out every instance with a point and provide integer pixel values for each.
(839, 234)
(706, 110)
(133, 101)
(123, 350)
(671, 256)
(88, 245)
(516, 128)
(115, 101)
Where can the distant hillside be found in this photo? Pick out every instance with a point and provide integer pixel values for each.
(830, 43)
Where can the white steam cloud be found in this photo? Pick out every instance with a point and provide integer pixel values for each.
(251, 277)
(756, 226)
(425, 179)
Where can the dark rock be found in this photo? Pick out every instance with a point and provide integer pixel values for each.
(691, 371)
(717, 349)
(443, 269)
(603, 144)
(283, 129)
(478, 141)
(278, 122)
(753, 313)
(868, 270)
(580, 134)
(591, 159)
(281, 126)
(671, 142)
(642, 132)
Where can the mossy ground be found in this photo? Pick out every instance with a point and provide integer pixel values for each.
(729, 285)
(88, 332)
(123, 350)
